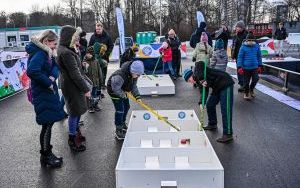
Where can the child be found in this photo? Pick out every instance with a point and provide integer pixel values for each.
(249, 64)
(203, 50)
(222, 91)
(166, 51)
(92, 68)
(129, 54)
(219, 58)
(99, 51)
(122, 81)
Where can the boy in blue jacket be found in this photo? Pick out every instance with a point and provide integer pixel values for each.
(249, 64)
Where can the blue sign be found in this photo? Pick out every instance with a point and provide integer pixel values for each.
(147, 116)
(181, 115)
(147, 50)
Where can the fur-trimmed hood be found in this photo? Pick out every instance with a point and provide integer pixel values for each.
(68, 35)
(36, 45)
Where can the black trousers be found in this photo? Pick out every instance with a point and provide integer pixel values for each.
(104, 73)
(45, 138)
(250, 74)
(176, 61)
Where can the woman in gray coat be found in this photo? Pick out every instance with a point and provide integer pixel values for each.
(74, 83)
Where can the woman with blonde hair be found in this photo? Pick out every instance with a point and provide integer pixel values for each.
(43, 72)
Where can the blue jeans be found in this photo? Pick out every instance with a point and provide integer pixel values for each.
(169, 63)
(225, 97)
(73, 124)
(122, 107)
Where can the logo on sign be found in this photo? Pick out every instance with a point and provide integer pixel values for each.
(147, 50)
(147, 116)
(181, 115)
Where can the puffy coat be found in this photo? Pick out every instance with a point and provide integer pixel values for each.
(199, 52)
(74, 82)
(195, 37)
(219, 60)
(41, 66)
(167, 54)
(249, 56)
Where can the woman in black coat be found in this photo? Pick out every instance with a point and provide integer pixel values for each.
(175, 43)
(43, 72)
(74, 83)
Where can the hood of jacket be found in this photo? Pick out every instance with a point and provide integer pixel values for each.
(68, 36)
(35, 46)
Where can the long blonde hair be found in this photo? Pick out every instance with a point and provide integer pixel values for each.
(48, 36)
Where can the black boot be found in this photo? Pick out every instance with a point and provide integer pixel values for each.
(48, 158)
(75, 144)
(225, 138)
(80, 136)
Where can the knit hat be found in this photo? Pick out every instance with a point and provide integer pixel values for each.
(137, 67)
(90, 50)
(240, 24)
(250, 36)
(187, 73)
(219, 44)
(202, 25)
(204, 37)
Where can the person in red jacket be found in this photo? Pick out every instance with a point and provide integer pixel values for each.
(166, 52)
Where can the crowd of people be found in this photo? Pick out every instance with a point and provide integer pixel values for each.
(81, 69)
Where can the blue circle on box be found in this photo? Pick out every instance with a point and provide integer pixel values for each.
(147, 51)
(181, 115)
(147, 116)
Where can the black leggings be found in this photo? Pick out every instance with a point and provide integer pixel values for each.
(45, 138)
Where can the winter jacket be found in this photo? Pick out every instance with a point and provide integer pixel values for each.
(103, 38)
(83, 46)
(41, 66)
(216, 79)
(249, 56)
(199, 52)
(93, 71)
(195, 37)
(219, 60)
(121, 81)
(280, 34)
(97, 46)
(237, 43)
(74, 81)
(128, 55)
(167, 54)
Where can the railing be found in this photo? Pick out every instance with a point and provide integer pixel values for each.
(286, 77)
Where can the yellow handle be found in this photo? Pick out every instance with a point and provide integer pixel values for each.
(152, 111)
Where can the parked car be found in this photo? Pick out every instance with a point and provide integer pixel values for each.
(159, 39)
(128, 42)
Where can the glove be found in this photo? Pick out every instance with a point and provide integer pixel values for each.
(194, 59)
(259, 70)
(240, 71)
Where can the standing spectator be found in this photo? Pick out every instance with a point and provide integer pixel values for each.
(176, 54)
(195, 38)
(241, 34)
(101, 36)
(92, 69)
(249, 64)
(75, 84)
(43, 72)
(83, 44)
(203, 50)
(280, 35)
(219, 58)
(224, 34)
(122, 81)
(166, 52)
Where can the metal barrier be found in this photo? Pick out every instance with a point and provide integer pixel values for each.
(286, 77)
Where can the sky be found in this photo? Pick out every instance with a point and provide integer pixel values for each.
(25, 6)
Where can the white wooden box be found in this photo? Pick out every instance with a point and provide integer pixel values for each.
(160, 84)
(159, 159)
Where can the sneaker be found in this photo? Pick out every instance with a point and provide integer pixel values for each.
(97, 108)
(91, 110)
(252, 94)
(75, 144)
(210, 127)
(120, 134)
(247, 97)
(225, 138)
(125, 127)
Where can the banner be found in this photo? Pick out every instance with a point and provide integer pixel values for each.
(200, 18)
(120, 23)
(267, 46)
(13, 76)
(152, 50)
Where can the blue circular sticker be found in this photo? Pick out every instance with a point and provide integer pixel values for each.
(147, 51)
(147, 116)
(181, 115)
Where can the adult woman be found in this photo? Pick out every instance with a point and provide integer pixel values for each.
(176, 55)
(43, 72)
(74, 84)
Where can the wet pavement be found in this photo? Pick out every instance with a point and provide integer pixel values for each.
(265, 152)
